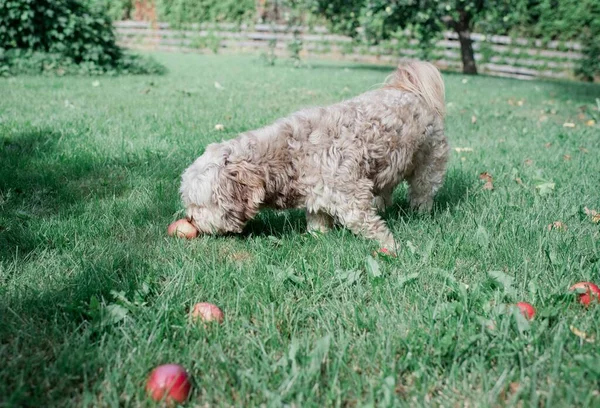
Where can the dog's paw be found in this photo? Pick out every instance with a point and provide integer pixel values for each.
(423, 207)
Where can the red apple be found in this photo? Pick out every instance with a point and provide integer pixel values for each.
(169, 382)
(526, 310)
(592, 292)
(207, 312)
(183, 229)
(385, 252)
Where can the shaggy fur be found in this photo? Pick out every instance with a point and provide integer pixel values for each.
(340, 163)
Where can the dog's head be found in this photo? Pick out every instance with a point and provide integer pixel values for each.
(220, 191)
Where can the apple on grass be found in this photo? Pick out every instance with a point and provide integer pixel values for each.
(526, 310)
(182, 229)
(588, 292)
(207, 312)
(169, 382)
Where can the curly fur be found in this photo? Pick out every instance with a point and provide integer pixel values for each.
(340, 163)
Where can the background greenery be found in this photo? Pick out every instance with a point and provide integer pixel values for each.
(62, 36)
(380, 20)
(93, 294)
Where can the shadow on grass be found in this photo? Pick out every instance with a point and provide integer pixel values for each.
(276, 223)
(580, 92)
(37, 180)
(287, 222)
(47, 341)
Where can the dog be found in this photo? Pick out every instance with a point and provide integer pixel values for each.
(340, 163)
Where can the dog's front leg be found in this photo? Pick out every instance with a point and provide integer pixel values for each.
(361, 218)
(383, 200)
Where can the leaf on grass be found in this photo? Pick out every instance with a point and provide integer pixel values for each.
(528, 162)
(349, 277)
(533, 290)
(504, 280)
(274, 240)
(318, 355)
(567, 157)
(557, 225)
(240, 256)
(590, 122)
(473, 119)
(591, 362)
(522, 322)
(515, 176)
(218, 86)
(582, 335)
(283, 275)
(411, 247)
(487, 178)
(548, 145)
(373, 267)
(219, 126)
(593, 214)
(115, 314)
(553, 257)
(483, 237)
(583, 150)
(546, 188)
(403, 280)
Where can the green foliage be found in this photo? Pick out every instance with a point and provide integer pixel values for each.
(62, 33)
(376, 20)
(565, 20)
(24, 62)
(179, 12)
(116, 9)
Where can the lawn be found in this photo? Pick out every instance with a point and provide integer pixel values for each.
(93, 294)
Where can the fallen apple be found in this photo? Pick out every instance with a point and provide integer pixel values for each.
(526, 310)
(592, 292)
(207, 312)
(169, 382)
(182, 229)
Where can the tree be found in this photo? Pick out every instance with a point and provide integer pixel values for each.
(381, 19)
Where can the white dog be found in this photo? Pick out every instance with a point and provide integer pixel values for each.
(340, 163)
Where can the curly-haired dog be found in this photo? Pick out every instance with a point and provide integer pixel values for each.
(340, 163)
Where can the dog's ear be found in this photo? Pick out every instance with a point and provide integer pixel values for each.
(242, 191)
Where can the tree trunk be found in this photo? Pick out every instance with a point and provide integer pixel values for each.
(466, 52)
(463, 29)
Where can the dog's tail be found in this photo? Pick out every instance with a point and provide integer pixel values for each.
(422, 79)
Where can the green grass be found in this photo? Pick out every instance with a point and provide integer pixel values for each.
(93, 294)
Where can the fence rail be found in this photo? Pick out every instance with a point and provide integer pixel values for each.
(496, 55)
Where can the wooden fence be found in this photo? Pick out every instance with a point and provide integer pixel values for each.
(495, 55)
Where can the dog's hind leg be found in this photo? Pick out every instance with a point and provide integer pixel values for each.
(428, 175)
(318, 221)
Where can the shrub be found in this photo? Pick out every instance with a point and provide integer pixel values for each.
(62, 33)
(178, 12)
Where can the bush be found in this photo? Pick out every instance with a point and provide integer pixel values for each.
(62, 33)
(179, 12)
